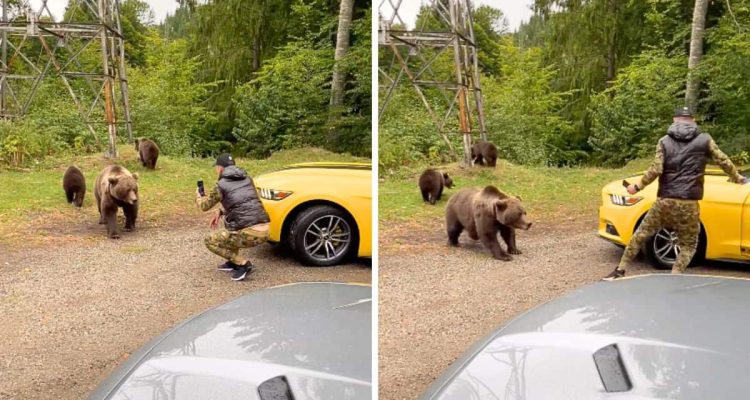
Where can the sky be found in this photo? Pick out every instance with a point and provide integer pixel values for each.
(515, 11)
(160, 7)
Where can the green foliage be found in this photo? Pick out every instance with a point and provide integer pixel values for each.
(524, 120)
(284, 106)
(167, 102)
(629, 117)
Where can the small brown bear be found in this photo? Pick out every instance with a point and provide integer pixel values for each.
(148, 152)
(484, 213)
(483, 152)
(432, 182)
(115, 188)
(74, 185)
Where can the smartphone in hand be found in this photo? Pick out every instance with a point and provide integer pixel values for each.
(201, 189)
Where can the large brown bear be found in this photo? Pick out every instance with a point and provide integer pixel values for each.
(74, 185)
(484, 153)
(484, 213)
(432, 182)
(115, 188)
(148, 152)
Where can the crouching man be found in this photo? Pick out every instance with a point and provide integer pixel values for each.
(245, 220)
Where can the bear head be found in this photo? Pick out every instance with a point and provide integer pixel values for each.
(124, 188)
(447, 180)
(510, 212)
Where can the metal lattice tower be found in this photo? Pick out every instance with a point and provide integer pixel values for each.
(413, 54)
(88, 56)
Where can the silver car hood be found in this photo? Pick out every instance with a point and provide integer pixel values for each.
(315, 335)
(679, 337)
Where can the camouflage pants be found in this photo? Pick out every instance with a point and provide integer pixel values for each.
(682, 216)
(227, 244)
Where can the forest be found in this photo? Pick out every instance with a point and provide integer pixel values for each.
(589, 82)
(250, 77)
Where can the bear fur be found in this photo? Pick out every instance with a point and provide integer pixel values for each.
(484, 213)
(115, 188)
(484, 153)
(74, 185)
(148, 152)
(432, 182)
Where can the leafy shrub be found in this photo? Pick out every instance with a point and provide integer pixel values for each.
(630, 116)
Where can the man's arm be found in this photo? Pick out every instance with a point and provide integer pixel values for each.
(205, 203)
(656, 168)
(724, 162)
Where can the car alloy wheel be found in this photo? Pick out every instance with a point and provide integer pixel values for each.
(323, 235)
(327, 238)
(665, 247)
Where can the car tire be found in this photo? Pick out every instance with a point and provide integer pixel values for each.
(322, 236)
(660, 249)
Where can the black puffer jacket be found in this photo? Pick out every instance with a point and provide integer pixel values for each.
(686, 152)
(240, 200)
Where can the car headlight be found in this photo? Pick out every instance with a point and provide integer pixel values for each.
(273, 194)
(624, 200)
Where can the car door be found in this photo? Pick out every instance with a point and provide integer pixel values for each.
(724, 210)
(745, 246)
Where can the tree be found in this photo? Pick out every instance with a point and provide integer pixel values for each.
(342, 46)
(696, 51)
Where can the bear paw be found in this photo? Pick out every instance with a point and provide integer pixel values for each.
(114, 236)
(128, 228)
(514, 251)
(504, 257)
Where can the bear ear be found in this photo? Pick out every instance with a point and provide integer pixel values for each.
(113, 180)
(519, 198)
(501, 205)
(135, 175)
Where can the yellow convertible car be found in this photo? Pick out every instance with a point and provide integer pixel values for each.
(725, 220)
(322, 211)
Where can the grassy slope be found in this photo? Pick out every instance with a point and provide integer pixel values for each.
(167, 191)
(548, 193)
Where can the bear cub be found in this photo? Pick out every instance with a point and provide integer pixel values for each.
(431, 183)
(74, 185)
(483, 152)
(115, 188)
(148, 152)
(484, 213)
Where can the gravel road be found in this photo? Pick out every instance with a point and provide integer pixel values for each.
(435, 301)
(71, 312)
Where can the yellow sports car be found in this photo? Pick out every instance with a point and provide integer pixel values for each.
(725, 220)
(323, 211)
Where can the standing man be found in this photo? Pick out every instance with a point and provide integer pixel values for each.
(680, 165)
(245, 220)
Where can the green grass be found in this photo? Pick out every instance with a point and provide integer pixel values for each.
(546, 192)
(168, 190)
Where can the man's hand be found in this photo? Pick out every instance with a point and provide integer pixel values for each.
(215, 220)
(632, 189)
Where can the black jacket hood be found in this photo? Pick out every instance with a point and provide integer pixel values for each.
(683, 131)
(233, 173)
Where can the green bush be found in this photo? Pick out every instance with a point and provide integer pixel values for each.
(630, 116)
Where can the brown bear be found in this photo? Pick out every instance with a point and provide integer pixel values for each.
(432, 182)
(115, 188)
(74, 185)
(484, 152)
(484, 213)
(148, 152)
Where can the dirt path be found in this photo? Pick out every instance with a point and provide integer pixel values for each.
(73, 310)
(435, 301)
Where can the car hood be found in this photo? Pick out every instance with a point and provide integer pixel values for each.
(679, 337)
(315, 335)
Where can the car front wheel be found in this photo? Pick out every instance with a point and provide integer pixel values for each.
(662, 249)
(322, 236)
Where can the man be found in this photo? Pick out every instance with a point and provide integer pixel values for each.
(245, 220)
(680, 164)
